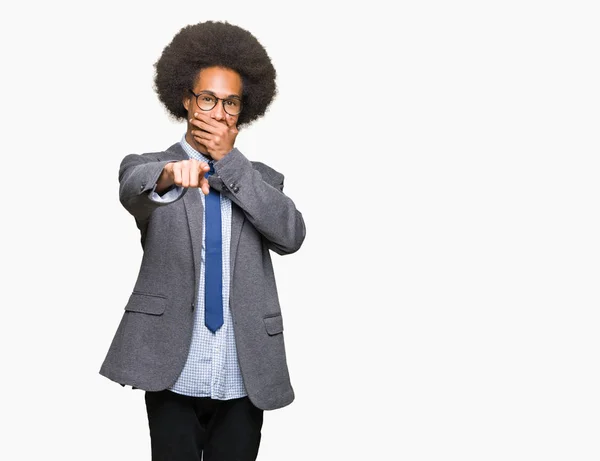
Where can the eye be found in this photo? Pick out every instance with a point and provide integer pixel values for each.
(232, 102)
(207, 98)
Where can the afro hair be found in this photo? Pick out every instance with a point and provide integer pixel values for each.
(221, 44)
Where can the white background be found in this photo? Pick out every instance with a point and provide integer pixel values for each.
(444, 155)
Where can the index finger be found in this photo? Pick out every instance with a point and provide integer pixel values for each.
(205, 118)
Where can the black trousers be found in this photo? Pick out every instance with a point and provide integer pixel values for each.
(186, 428)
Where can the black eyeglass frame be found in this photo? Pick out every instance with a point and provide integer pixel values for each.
(217, 101)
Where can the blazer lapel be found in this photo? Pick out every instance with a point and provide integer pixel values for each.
(194, 212)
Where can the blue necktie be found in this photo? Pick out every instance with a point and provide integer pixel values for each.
(213, 269)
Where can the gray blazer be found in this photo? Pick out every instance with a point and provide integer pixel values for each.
(152, 341)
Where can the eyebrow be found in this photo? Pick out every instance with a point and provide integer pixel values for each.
(213, 93)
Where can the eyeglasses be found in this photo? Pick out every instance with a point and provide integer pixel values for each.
(207, 101)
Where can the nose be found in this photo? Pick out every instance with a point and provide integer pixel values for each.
(218, 113)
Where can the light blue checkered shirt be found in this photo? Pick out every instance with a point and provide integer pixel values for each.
(212, 368)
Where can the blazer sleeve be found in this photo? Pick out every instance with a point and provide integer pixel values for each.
(138, 175)
(262, 200)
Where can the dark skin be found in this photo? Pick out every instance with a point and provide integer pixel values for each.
(211, 132)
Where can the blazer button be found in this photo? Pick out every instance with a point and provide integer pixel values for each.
(236, 189)
(142, 187)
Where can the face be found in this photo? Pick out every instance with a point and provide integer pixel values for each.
(220, 82)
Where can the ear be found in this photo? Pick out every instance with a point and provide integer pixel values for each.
(186, 102)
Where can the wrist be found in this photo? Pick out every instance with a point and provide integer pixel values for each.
(165, 180)
(219, 155)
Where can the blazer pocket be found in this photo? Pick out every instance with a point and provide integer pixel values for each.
(146, 303)
(273, 324)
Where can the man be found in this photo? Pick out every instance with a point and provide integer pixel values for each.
(202, 332)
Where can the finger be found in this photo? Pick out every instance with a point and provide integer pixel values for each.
(203, 168)
(203, 125)
(194, 171)
(185, 173)
(205, 118)
(203, 135)
(208, 139)
(177, 173)
(212, 125)
(206, 145)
